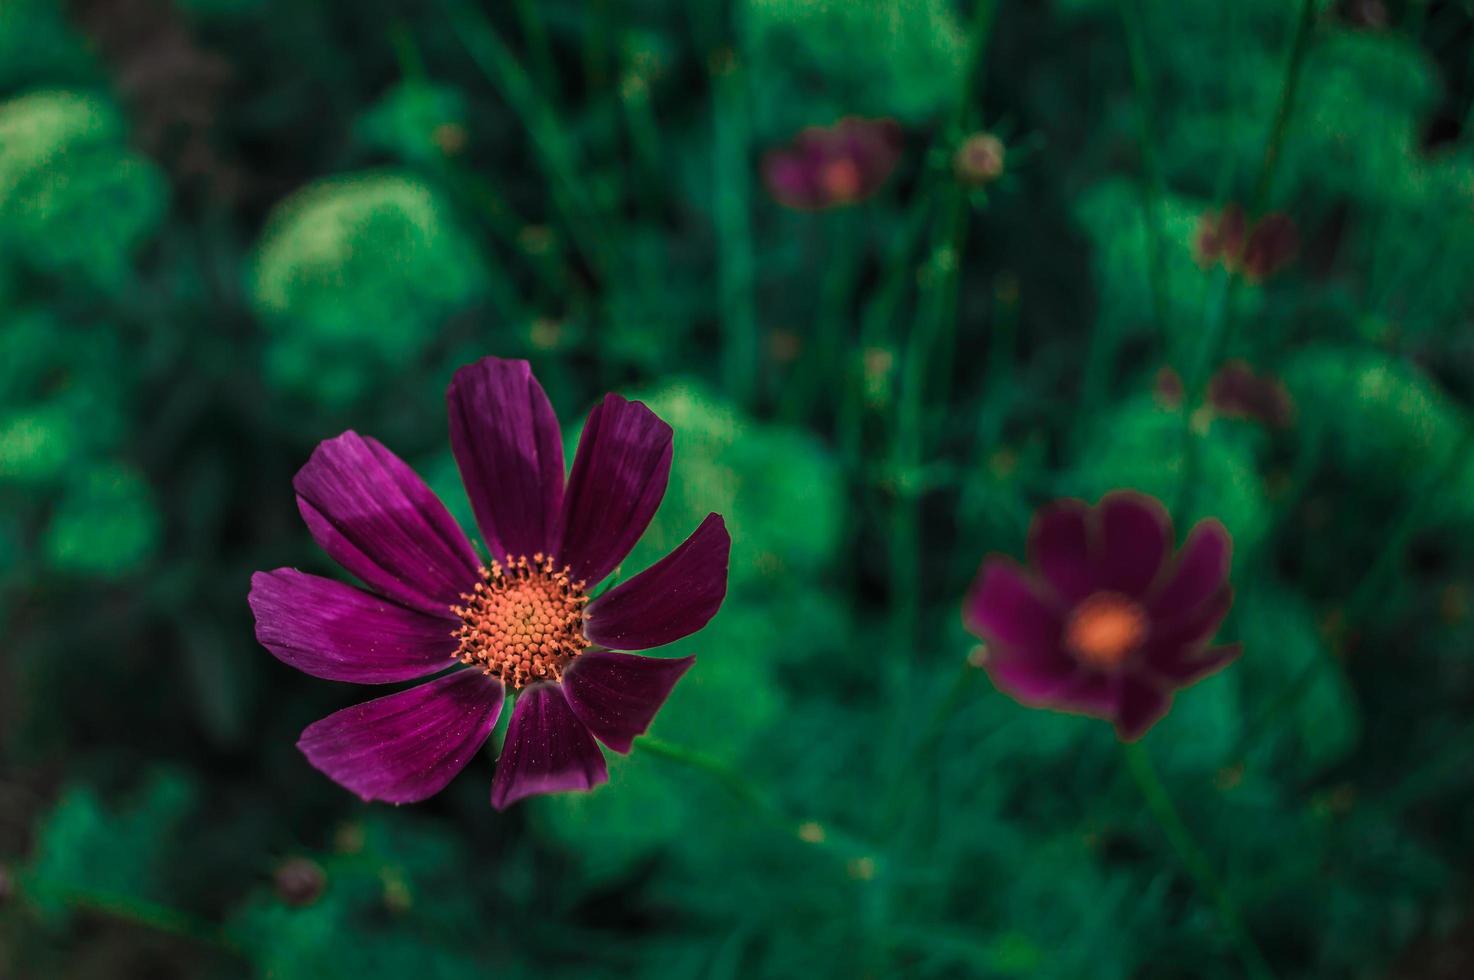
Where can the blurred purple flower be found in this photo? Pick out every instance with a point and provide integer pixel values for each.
(832, 166)
(524, 621)
(1221, 237)
(1256, 252)
(1167, 387)
(1236, 391)
(1271, 246)
(1106, 621)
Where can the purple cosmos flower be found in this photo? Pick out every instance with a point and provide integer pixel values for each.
(1106, 621)
(525, 620)
(831, 166)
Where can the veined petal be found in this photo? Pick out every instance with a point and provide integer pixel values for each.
(619, 475)
(675, 597)
(378, 519)
(506, 442)
(547, 749)
(340, 633)
(408, 746)
(617, 694)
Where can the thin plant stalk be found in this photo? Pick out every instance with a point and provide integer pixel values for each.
(736, 265)
(1193, 857)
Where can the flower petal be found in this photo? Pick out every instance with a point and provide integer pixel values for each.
(1135, 537)
(1193, 668)
(1201, 569)
(408, 746)
(672, 598)
(506, 442)
(340, 633)
(1141, 706)
(547, 750)
(1054, 681)
(617, 694)
(1173, 641)
(379, 520)
(1005, 608)
(619, 475)
(1060, 548)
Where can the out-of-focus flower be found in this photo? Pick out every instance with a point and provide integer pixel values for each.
(980, 159)
(1221, 236)
(1167, 387)
(1105, 621)
(299, 882)
(1272, 244)
(1237, 391)
(171, 85)
(832, 166)
(524, 621)
(1370, 14)
(1256, 252)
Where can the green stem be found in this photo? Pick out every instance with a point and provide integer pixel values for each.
(555, 152)
(1395, 544)
(736, 268)
(937, 305)
(1151, 197)
(129, 908)
(536, 34)
(926, 745)
(1218, 335)
(1299, 47)
(1193, 858)
(730, 779)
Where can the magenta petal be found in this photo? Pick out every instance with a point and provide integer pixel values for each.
(510, 453)
(1194, 666)
(1059, 547)
(1005, 608)
(1135, 538)
(619, 475)
(1141, 706)
(408, 746)
(672, 598)
(379, 520)
(340, 633)
(1173, 640)
(547, 750)
(1201, 569)
(1045, 681)
(617, 694)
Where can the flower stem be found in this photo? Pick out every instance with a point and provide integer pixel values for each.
(736, 265)
(926, 744)
(730, 779)
(1219, 332)
(129, 908)
(1193, 858)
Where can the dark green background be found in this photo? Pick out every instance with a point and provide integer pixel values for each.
(232, 228)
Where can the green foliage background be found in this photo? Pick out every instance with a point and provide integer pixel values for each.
(232, 228)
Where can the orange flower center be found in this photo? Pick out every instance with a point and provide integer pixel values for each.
(523, 622)
(841, 179)
(1105, 629)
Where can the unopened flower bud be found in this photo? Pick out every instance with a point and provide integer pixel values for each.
(980, 159)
